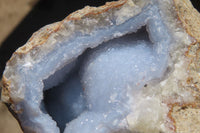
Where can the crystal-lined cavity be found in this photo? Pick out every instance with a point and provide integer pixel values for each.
(84, 83)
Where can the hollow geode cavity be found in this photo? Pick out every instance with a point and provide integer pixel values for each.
(121, 67)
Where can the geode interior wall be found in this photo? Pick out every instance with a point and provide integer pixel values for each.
(121, 67)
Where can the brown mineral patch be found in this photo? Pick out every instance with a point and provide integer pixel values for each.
(192, 49)
(189, 17)
(185, 117)
(38, 38)
(193, 79)
(5, 93)
(87, 11)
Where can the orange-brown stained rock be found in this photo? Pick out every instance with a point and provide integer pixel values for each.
(87, 11)
(189, 17)
(5, 91)
(41, 36)
(186, 117)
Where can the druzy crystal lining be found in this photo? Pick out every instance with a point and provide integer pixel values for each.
(100, 86)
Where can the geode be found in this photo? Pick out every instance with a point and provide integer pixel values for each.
(127, 66)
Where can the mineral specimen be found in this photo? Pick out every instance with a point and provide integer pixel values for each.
(121, 67)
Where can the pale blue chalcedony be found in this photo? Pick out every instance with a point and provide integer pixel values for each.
(93, 96)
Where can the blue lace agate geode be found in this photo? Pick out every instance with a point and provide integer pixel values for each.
(83, 80)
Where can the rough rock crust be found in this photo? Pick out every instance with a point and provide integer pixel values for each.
(40, 37)
(185, 116)
(181, 114)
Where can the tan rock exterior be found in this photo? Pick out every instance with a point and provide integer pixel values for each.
(186, 116)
